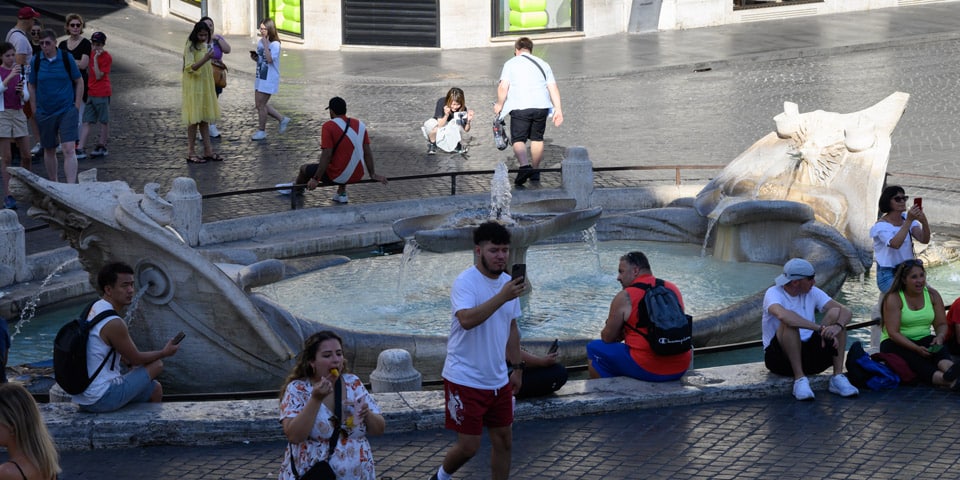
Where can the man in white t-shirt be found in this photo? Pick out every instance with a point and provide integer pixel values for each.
(793, 342)
(109, 341)
(528, 93)
(483, 367)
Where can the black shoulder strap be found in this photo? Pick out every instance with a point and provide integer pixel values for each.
(97, 319)
(537, 64)
(346, 128)
(15, 464)
(337, 412)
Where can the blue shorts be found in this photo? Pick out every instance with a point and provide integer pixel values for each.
(135, 386)
(614, 360)
(59, 128)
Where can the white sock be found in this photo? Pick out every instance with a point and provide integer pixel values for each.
(443, 475)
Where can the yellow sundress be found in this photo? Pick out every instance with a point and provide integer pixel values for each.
(199, 94)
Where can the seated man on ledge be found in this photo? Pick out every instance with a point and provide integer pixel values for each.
(793, 343)
(622, 350)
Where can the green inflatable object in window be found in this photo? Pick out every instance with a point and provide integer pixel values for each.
(286, 14)
(528, 14)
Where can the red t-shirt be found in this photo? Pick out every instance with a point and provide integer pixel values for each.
(639, 347)
(100, 88)
(953, 319)
(330, 134)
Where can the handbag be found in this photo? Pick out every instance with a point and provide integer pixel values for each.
(219, 73)
(499, 134)
(322, 469)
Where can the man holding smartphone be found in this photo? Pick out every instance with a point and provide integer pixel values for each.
(112, 389)
(484, 365)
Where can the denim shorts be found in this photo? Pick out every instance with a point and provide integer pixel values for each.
(135, 386)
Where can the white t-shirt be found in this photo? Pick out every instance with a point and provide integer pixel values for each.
(528, 86)
(267, 77)
(97, 350)
(886, 255)
(806, 305)
(477, 358)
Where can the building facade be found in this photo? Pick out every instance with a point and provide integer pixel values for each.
(449, 24)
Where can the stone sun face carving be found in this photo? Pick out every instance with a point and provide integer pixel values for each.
(819, 153)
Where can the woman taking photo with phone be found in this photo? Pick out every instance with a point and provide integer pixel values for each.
(267, 78)
(910, 309)
(894, 231)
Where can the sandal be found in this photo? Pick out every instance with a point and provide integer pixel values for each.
(196, 159)
(213, 158)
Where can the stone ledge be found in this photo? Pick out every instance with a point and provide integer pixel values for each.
(226, 422)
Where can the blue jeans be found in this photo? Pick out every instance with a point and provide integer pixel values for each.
(135, 386)
(885, 277)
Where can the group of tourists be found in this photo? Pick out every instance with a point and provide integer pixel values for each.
(57, 91)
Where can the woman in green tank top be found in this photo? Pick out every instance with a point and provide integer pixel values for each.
(915, 324)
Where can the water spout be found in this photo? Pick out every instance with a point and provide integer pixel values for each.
(30, 309)
(500, 195)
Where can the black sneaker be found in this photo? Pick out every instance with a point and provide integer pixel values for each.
(535, 177)
(432, 149)
(526, 171)
(461, 149)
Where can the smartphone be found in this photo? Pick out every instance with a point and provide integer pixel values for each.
(179, 338)
(253, 54)
(554, 346)
(918, 201)
(519, 271)
(934, 348)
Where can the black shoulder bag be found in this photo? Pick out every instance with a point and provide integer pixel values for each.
(322, 469)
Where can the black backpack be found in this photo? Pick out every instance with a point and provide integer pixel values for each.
(669, 330)
(70, 352)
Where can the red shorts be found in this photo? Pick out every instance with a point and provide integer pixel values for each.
(470, 409)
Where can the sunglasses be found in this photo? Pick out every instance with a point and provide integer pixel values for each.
(47, 42)
(76, 25)
(34, 32)
(901, 198)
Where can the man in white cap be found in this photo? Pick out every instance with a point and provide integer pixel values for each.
(793, 342)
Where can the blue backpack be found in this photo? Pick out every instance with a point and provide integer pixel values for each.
(865, 372)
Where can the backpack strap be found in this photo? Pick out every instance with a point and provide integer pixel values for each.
(644, 319)
(89, 325)
(66, 68)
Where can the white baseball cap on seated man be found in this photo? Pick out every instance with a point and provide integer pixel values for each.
(794, 269)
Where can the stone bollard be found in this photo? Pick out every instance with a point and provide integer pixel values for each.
(187, 209)
(13, 250)
(577, 175)
(395, 373)
(57, 395)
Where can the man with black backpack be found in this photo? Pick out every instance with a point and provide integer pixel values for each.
(647, 335)
(109, 341)
(794, 344)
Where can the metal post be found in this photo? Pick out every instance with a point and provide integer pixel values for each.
(203, 8)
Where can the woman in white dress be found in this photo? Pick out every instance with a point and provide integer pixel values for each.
(267, 81)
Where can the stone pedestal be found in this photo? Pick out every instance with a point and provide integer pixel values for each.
(395, 373)
(577, 173)
(13, 256)
(187, 209)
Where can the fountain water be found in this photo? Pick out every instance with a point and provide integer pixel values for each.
(30, 308)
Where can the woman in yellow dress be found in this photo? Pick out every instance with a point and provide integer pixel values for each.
(200, 107)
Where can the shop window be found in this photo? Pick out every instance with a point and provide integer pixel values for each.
(521, 17)
(287, 15)
(745, 4)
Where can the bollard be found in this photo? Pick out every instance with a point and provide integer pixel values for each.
(395, 373)
(577, 175)
(187, 209)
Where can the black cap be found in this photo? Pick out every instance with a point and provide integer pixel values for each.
(337, 105)
(99, 37)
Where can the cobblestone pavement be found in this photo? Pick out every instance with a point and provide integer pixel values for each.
(905, 433)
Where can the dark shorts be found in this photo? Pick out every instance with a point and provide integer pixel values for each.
(97, 110)
(528, 124)
(470, 409)
(311, 170)
(815, 357)
(59, 128)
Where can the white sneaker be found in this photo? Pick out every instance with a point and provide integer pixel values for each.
(841, 386)
(801, 389)
(36, 149)
(340, 198)
(284, 123)
(284, 191)
(259, 135)
(214, 133)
